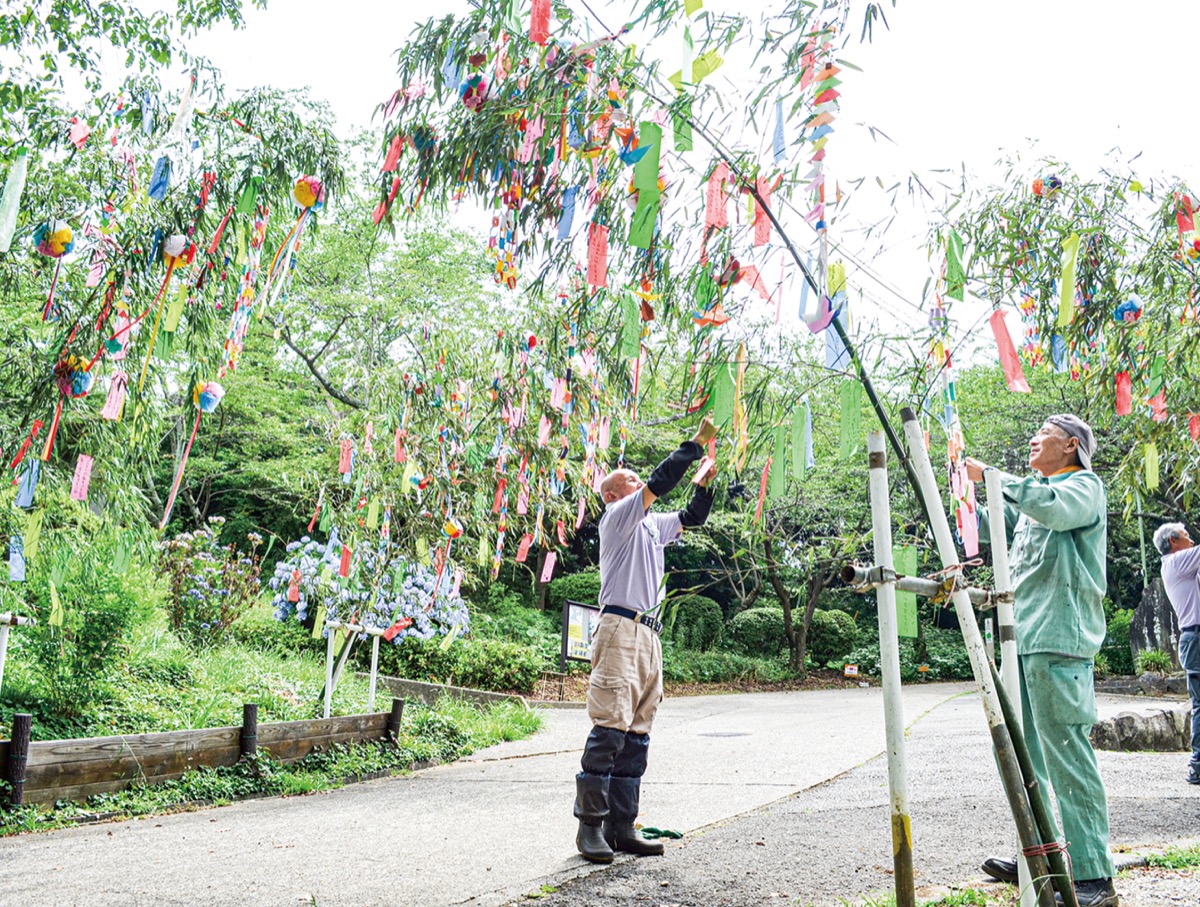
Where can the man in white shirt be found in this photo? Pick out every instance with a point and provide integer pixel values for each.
(1181, 578)
(626, 682)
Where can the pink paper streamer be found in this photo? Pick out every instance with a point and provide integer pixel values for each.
(548, 567)
(116, 397)
(715, 213)
(523, 548)
(1014, 374)
(597, 271)
(82, 479)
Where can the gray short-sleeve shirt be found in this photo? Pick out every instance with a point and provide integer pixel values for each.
(631, 553)
(1181, 579)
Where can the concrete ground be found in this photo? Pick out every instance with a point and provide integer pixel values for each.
(781, 795)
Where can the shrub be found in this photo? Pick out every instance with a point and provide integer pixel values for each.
(690, 666)
(510, 619)
(948, 658)
(99, 608)
(1154, 661)
(696, 622)
(1116, 649)
(481, 664)
(757, 631)
(831, 636)
(211, 585)
(583, 587)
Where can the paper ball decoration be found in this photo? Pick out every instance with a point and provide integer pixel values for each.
(54, 239)
(72, 377)
(81, 383)
(474, 92)
(208, 395)
(309, 192)
(1128, 311)
(452, 528)
(178, 251)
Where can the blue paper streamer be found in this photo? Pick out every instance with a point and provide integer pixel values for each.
(777, 139)
(568, 212)
(16, 559)
(28, 486)
(161, 179)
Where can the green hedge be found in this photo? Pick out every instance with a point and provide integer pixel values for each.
(1116, 649)
(689, 666)
(696, 622)
(757, 631)
(947, 657)
(481, 664)
(583, 587)
(831, 636)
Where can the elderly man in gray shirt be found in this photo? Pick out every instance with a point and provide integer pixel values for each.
(1181, 579)
(626, 680)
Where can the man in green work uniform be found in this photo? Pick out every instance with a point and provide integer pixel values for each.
(1057, 522)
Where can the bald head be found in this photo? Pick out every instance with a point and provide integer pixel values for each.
(618, 484)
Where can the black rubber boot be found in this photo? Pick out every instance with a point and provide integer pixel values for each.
(1093, 893)
(591, 809)
(1001, 870)
(619, 830)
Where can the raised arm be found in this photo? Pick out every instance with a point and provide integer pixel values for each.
(671, 471)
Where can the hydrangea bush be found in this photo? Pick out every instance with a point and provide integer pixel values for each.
(211, 584)
(382, 589)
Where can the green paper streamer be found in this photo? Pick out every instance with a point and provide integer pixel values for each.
(1156, 375)
(318, 622)
(777, 483)
(956, 276)
(641, 230)
(373, 514)
(705, 65)
(799, 460)
(33, 534)
(645, 171)
(690, 6)
(450, 637)
(326, 519)
(422, 551)
(721, 396)
(484, 551)
(851, 404)
(1151, 456)
(249, 196)
(1066, 302)
(904, 559)
(56, 608)
(631, 329)
(174, 311)
(680, 124)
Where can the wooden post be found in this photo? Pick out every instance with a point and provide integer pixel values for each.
(249, 738)
(889, 660)
(393, 722)
(18, 757)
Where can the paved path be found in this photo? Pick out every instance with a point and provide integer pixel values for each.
(746, 773)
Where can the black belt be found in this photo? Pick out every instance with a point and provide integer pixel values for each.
(640, 617)
(1192, 629)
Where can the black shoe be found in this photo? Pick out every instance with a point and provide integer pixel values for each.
(1001, 870)
(590, 842)
(1093, 893)
(1194, 775)
(626, 838)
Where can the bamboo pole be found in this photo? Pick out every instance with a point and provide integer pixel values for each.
(889, 656)
(7, 620)
(329, 644)
(1006, 757)
(1010, 675)
(374, 672)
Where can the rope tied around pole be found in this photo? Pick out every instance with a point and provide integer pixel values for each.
(949, 577)
(1045, 850)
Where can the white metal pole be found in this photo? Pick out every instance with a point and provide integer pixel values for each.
(1006, 756)
(329, 669)
(1010, 675)
(889, 657)
(374, 673)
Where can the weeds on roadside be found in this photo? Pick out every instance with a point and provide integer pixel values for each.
(1175, 858)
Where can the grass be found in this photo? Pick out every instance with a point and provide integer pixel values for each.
(1175, 858)
(965, 897)
(443, 733)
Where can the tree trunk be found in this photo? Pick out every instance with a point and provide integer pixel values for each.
(795, 660)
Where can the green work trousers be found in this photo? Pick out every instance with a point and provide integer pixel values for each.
(1058, 706)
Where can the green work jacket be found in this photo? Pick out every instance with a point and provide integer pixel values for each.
(1057, 528)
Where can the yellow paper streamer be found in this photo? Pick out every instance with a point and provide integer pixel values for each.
(1066, 302)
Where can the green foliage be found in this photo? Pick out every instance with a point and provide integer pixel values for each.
(831, 636)
(211, 585)
(1116, 648)
(505, 616)
(757, 631)
(481, 664)
(1155, 661)
(691, 666)
(696, 622)
(1175, 858)
(948, 658)
(583, 587)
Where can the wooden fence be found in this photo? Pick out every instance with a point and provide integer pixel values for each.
(50, 770)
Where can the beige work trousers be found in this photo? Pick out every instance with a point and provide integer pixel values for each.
(626, 683)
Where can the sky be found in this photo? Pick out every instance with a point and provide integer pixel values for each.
(954, 84)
